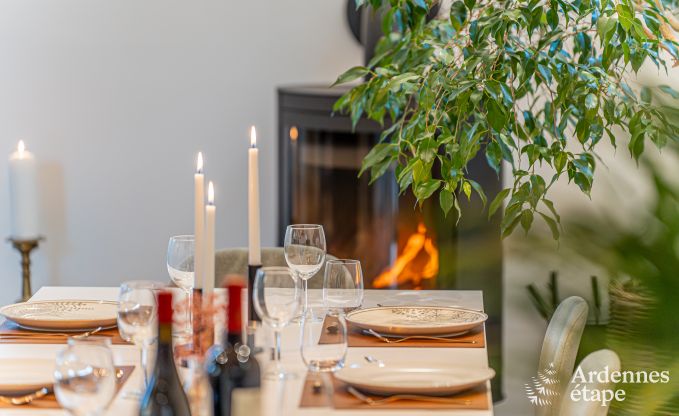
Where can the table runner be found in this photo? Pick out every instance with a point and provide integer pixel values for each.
(357, 338)
(9, 328)
(50, 401)
(478, 398)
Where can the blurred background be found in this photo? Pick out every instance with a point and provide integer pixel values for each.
(116, 98)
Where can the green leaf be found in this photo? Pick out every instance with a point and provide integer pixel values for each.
(526, 219)
(497, 118)
(591, 101)
(352, 74)
(467, 189)
(497, 201)
(625, 15)
(458, 15)
(446, 198)
(554, 228)
(479, 191)
(670, 91)
(426, 189)
(376, 154)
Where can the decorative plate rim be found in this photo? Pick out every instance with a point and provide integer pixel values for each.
(483, 315)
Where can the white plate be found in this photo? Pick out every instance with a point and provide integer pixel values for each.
(62, 315)
(417, 320)
(428, 379)
(25, 375)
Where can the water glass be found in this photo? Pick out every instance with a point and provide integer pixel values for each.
(181, 268)
(276, 299)
(304, 247)
(327, 354)
(84, 377)
(343, 285)
(137, 317)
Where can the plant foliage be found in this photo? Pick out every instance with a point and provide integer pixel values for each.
(529, 82)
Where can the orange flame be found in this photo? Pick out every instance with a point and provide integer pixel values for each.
(408, 265)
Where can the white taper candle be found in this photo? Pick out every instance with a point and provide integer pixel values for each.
(199, 222)
(23, 192)
(254, 246)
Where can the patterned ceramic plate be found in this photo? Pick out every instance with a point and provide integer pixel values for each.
(415, 378)
(25, 375)
(62, 315)
(417, 320)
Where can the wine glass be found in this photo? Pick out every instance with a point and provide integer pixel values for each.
(84, 377)
(137, 317)
(276, 300)
(343, 284)
(305, 252)
(324, 344)
(180, 266)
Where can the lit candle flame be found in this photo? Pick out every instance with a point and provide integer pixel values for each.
(199, 163)
(253, 137)
(21, 147)
(210, 193)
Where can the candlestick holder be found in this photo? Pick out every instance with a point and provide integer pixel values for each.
(254, 322)
(25, 247)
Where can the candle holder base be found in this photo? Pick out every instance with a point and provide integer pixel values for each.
(252, 274)
(25, 247)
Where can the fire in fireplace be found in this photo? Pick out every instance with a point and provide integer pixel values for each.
(417, 260)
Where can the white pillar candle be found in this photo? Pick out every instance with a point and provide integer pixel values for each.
(23, 194)
(254, 247)
(199, 222)
(209, 282)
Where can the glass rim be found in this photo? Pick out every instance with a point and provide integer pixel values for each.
(304, 226)
(144, 284)
(183, 237)
(265, 269)
(343, 261)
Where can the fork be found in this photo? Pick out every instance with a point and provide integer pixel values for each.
(37, 335)
(376, 402)
(396, 340)
(26, 399)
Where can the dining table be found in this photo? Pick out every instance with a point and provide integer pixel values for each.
(281, 397)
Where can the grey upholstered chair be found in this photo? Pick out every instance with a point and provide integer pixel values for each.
(235, 261)
(596, 361)
(561, 344)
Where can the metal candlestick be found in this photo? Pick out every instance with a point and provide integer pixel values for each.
(253, 319)
(25, 247)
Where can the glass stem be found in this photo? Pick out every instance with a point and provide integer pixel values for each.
(306, 295)
(144, 363)
(277, 354)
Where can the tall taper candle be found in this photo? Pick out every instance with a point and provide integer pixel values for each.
(199, 223)
(23, 194)
(209, 281)
(254, 248)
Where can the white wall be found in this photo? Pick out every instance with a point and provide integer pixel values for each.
(116, 97)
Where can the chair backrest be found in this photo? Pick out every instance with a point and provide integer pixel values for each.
(560, 346)
(598, 362)
(235, 261)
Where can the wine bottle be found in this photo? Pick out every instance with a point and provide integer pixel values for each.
(164, 395)
(233, 371)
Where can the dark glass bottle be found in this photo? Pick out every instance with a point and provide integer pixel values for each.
(164, 395)
(233, 372)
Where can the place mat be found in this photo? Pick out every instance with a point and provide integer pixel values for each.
(50, 401)
(26, 336)
(358, 339)
(478, 397)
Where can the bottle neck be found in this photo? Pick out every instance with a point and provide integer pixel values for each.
(165, 333)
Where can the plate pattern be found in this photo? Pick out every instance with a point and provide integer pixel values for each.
(54, 310)
(433, 315)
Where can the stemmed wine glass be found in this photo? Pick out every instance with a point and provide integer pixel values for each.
(305, 252)
(137, 316)
(84, 377)
(343, 284)
(180, 266)
(276, 299)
